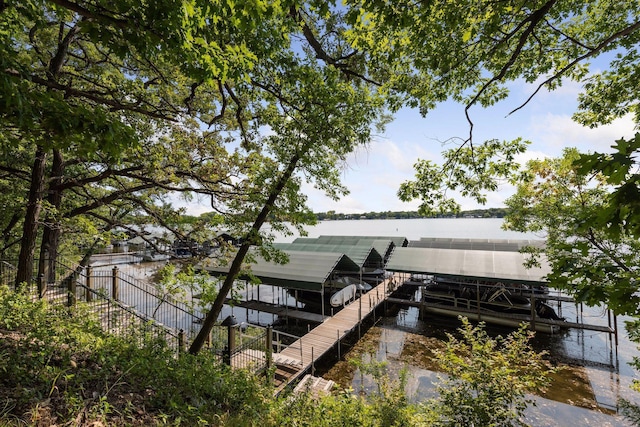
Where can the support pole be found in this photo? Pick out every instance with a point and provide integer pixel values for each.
(89, 296)
(532, 302)
(71, 290)
(115, 292)
(360, 316)
(269, 346)
(182, 342)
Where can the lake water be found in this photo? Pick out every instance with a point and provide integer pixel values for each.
(605, 367)
(414, 229)
(586, 395)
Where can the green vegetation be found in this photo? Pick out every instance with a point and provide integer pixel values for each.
(476, 213)
(59, 367)
(590, 261)
(111, 108)
(481, 388)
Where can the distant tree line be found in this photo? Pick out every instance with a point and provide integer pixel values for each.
(477, 213)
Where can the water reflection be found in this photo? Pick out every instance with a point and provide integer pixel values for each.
(583, 393)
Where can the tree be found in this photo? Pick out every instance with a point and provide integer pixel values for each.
(587, 259)
(469, 51)
(315, 126)
(487, 378)
(83, 81)
(472, 169)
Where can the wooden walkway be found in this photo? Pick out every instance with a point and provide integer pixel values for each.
(301, 355)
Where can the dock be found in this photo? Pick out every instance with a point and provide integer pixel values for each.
(280, 310)
(510, 319)
(299, 357)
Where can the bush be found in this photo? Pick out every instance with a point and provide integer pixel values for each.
(487, 378)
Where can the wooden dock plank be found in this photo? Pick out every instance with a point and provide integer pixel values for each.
(326, 335)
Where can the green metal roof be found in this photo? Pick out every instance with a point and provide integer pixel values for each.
(475, 244)
(361, 255)
(499, 265)
(355, 240)
(383, 244)
(305, 270)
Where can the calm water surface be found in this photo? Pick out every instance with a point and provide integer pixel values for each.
(414, 229)
(606, 367)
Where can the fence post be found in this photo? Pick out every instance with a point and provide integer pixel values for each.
(71, 290)
(89, 284)
(182, 342)
(230, 322)
(115, 293)
(269, 346)
(47, 270)
(42, 285)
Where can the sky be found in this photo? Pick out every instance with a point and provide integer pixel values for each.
(374, 174)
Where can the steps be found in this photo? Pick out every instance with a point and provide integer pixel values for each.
(317, 386)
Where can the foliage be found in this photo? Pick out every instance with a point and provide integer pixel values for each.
(472, 169)
(477, 213)
(620, 214)
(487, 378)
(59, 367)
(183, 284)
(71, 369)
(588, 260)
(470, 51)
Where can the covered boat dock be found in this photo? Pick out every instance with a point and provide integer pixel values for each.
(468, 261)
(304, 271)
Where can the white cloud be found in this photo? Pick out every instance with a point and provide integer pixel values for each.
(554, 132)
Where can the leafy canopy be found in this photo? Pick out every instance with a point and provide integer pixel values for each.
(589, 260)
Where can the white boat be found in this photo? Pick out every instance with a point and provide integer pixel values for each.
(343, 296)
(336, 291)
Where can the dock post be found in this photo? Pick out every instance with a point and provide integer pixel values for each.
(422, 313)
(71, 290)
(338, 333)
(478, 301)
(230, 322)
(182, 342)
(313, 364)
(360, 317)
(609, 322)
(532, 302)
(615, 330)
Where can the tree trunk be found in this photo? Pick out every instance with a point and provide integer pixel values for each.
(32, 216)
(51, 228)
(250, 239)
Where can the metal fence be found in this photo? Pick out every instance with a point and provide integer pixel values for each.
(114, 315)
(145, 299)
(7, 273)
(127, 306)
(253, 353)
